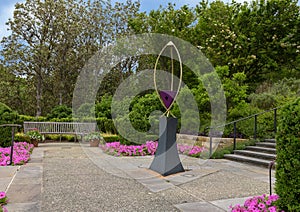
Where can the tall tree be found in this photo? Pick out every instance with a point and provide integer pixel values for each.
(258, 38)
(52, 39)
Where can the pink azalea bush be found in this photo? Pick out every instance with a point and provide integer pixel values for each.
(193, 151)
(3, 201)
(21, 154)
(118, 149)
(261, 203)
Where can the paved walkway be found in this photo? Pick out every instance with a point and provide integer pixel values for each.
(74, 177)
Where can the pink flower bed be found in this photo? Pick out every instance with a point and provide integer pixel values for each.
(193, 151)
(21, 154)
(3, 201)
(118, 149)
(257, 204)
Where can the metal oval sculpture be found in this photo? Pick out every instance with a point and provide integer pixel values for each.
(168, 97)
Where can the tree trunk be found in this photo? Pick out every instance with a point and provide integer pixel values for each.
(38, 96)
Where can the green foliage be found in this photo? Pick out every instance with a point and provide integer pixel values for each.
(257, 38)
(103, 108)
(85, 110)
(68, 119)
(50, 41)
(234, 87)
(60, 111)
(7, 116)
(113, 138)
(270, 95)
(221, 151)
(167, 20)
(35, 135)
(143, 109)
(106, 125)
(287, 183)
(57, 137)
(245, 128)
(93, 136)
(22, 118)
(21, 137)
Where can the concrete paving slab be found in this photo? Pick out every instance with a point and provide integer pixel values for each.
(7, 173)
(4, 182)
(189, 176)
(23, 207)
(198, 207)
(30, 172)
(24, 193)
(224, 185)
(156, 184)
(226, 203)
(20, 181)
(141, 173)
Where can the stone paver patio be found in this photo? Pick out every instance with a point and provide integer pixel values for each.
(75, 177)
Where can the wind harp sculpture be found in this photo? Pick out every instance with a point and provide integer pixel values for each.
(166, 160)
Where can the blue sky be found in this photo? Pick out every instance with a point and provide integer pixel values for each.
(7, 8)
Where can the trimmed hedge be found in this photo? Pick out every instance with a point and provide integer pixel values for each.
(287, 184)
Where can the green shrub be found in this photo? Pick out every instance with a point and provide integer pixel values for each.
(35, 135)
(22, 118)
(85, 110)
(245, 128)
(56, 137)
(109, 126)
(288, 158)
(106, 125)
(67, 119)
(102, 108)
(21, 137)
(221, 151)
(60, 111)
(113, 138)
(273, 95)
(7, 116)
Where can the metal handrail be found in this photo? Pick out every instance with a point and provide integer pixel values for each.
(13, 126)
(242, 119)
(271, 164)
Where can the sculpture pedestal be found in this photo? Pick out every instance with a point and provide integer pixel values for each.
(166, 160)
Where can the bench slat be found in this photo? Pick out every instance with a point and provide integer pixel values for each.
(61, 127)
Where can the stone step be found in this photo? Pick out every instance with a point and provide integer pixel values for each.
(244, 159)
(266, 144)
(270, 140)
(255, 154)
(261, 149)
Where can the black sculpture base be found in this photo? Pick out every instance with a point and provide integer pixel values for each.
(166, 160)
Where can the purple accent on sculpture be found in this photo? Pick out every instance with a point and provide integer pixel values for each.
(167, 97)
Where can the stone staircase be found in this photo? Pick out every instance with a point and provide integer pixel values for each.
(261, 154)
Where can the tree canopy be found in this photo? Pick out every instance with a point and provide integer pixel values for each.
(252, 44)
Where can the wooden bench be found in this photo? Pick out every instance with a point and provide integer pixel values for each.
(72, 128)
